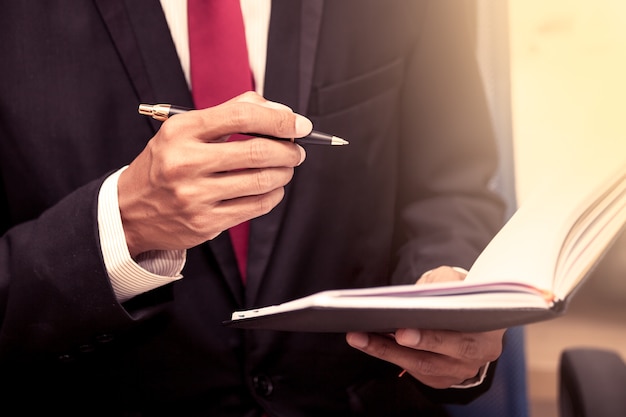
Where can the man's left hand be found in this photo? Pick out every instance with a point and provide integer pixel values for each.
(437, 358)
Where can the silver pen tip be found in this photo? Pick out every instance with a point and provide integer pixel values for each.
(336, 140)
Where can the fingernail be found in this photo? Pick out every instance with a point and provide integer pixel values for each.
(358, 340)
(303, 126)
(408, 337)
(302, 154)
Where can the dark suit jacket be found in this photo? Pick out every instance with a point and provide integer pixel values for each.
(395, 78)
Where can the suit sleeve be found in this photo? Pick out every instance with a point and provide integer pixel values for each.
(55, 294)
(448, 207)
(448, 151)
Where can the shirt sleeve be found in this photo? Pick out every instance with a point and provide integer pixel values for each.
(475, 381)
(130, 277)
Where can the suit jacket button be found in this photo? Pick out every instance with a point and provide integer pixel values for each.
(65, 358)
(86, 348)
(104, 338)
(262, 385)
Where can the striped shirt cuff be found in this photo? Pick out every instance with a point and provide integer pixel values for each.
(129, 277)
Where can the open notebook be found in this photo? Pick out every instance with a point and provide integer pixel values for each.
(527, 273)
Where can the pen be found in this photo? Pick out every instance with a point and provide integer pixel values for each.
(163, 111)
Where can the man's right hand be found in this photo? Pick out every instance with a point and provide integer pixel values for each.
(189, 184)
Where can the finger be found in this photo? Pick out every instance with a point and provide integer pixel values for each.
(249, 182)
(245, 208)
(381, 347)
(432, 369)
(217, 217)
(243, 116)
(477, 348)
(203, 160)
(441, 274)
(252, 153)
(437, 371)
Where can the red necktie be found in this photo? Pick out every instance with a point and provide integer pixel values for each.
(219, 71)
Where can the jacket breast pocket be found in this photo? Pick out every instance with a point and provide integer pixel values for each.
(342, 95)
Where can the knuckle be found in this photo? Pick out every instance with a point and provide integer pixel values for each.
(250, 96)
(285, 123)
(468, 373)
(275, 197)
(257, 152)
(170, 129)
(195, 224)
(264, 180)
(167, 171)
(182, 202)
(166, 163)
(469, 349)
(426, 366)
(265, 205)
(380, 350)
(431, 340)
(167, 129)
(278, 177)
(239, 114)
(490, 356)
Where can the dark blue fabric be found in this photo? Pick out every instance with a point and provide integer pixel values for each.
(508, 396)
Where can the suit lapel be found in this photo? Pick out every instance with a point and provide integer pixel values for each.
(140, 33)
(292, 44)
(311, 17)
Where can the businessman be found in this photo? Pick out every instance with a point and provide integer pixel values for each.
(119, 258)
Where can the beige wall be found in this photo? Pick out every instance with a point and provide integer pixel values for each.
(568, 81)
(568, 68)
(568, 75)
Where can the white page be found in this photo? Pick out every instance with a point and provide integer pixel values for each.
(527, 248)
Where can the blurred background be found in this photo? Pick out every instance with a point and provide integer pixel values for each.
(568, 105)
